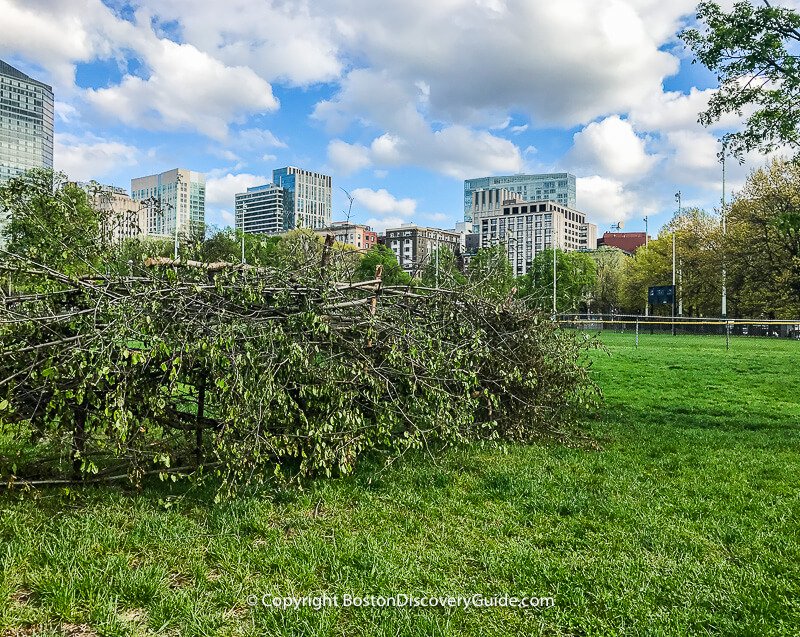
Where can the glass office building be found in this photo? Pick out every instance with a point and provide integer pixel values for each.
(297, 198)
(261, 210)
(557, 187)
(177, 196)
(26, 123)
(308, 200)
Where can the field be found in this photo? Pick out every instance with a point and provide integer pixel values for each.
(684, 521)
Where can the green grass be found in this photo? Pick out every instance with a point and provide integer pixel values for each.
(685, 522)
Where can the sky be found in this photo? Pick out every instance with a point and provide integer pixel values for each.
(398, 100)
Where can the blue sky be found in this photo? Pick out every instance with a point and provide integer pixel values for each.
(398, 100)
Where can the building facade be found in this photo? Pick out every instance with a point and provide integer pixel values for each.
(123, 217)
(261, 210)
(26, 123)
(355, 234)
(175, 199)
(296, 198)
(629, 242)
(414, 246)
(308, 197)
(557, 187)
(527, 228)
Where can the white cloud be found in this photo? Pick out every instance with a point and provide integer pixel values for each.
(186, 89)
(375, 100)
(607, 200)
(612, 148)
(380, 224)
(90, 157)
(347, 158)
(382, 202)
(255, 139)
(295, 43)
(220, 191)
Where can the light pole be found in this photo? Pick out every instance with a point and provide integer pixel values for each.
(678, 199)
(645, 232)
(244, 214)
(553, 245)
(178, 183)
(724, 232)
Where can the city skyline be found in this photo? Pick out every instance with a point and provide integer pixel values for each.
(142, 89)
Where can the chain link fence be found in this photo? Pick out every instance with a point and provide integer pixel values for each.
(638, 325)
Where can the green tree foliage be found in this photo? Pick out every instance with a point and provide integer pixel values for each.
(226, 245)
(753, 51)
(381, 255)
(763, 244)
(698, 266)
(490, 273)
(610, 270)
(442, 270)
(576, 276)
(50, 222)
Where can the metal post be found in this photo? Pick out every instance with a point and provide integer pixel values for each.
(724, 232)
(645, 232)
(553, 244)
(637, 332)
(673, 283)
(178, 181)
(727, 335)
(242, 247)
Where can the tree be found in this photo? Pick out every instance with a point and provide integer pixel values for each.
(698, 266)
(606, 295)
(763, 243)
(393, 274)
(490, 272)
(752, 50)
(226, 245)
(442, 270)
(576, 275)
(51, 223)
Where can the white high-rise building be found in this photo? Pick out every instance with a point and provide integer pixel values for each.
(527, 228)
(177, 196)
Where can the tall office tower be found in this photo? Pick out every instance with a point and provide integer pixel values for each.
(260, 210)
(557, 187)
(26, 123)
(308, 197)
(177, 196)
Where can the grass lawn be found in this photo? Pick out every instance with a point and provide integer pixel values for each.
(685, 522)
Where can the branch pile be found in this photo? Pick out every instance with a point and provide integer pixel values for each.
(250, 372)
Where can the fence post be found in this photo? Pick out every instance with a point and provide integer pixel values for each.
(727, 335)
(637, 332)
